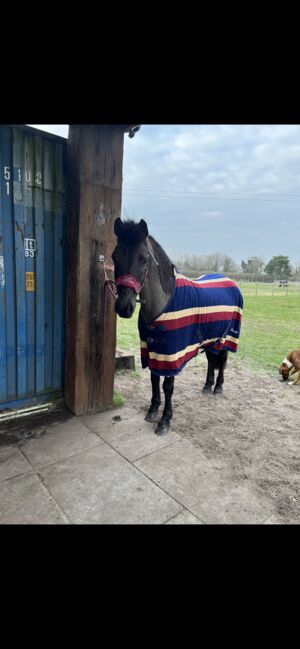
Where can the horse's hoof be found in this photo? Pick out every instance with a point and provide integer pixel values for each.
(151, 415)
(162, 428)
(206, 389)
(218, 389)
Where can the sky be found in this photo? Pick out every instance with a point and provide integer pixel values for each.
(202, 189)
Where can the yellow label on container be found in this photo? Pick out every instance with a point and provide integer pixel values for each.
(30, 281)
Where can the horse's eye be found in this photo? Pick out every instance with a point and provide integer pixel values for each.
(142, 260)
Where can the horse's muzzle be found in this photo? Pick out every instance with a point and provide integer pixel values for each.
(125, 303)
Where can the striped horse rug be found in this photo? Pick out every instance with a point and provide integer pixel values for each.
(203, 313)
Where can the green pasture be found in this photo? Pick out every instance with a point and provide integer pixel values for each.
(270, 327)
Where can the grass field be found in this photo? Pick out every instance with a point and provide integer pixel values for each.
(270, 327)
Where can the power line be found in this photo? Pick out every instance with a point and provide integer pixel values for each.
(178, 191)
(211, 197)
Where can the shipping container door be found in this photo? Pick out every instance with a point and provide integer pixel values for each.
(32, 266)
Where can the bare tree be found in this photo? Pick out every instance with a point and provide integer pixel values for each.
(214, 263)
(253, 265)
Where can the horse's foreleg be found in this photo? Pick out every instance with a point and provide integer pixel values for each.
(155, 401)
(210, 376)
(164, 423)
(221, 364)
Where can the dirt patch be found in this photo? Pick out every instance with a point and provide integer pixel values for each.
(251, 433)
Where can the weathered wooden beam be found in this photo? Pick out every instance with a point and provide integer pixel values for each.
(95, 160)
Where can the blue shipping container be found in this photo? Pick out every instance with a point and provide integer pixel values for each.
(32, 265)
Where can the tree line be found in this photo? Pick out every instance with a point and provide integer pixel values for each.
(253, 268)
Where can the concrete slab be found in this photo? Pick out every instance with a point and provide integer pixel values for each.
(184, 518)
(132, 438)
(100, 420)
(274, 520)
(183, 472)
(59, 441)
(99, 486)
(12, 463)
(24, 500)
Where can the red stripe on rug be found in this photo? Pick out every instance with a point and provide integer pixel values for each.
(200, 284)
(228, 343)
(172, 365)
(197, 318)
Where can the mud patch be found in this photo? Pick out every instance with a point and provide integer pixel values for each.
(251, 433)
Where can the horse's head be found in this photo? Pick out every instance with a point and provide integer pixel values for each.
(130, 258)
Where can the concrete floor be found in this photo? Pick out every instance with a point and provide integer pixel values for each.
(110, 468)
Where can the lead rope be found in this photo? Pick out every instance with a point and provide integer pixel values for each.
(109, 283)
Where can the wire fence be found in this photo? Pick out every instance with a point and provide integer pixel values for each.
(270, 289)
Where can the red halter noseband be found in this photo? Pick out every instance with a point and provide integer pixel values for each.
(130, 282)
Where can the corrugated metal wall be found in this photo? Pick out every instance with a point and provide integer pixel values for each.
(32, 265)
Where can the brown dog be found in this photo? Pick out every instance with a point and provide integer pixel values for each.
(291, 365)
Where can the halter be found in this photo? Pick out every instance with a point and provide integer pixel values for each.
(128, 280)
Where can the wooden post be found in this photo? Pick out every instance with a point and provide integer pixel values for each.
(95, 160)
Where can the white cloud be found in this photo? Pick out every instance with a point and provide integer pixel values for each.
(55, 129)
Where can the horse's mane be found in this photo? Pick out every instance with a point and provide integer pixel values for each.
(166, 267)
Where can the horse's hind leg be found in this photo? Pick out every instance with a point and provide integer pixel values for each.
(155, 401)
(210, 377)
(164, 423)
(220, 364)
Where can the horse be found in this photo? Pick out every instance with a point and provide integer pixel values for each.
(178, 316)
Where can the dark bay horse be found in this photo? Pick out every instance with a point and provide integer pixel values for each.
(178, 317)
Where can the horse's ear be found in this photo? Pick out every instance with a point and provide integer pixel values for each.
(118, 227)
(143, 227)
